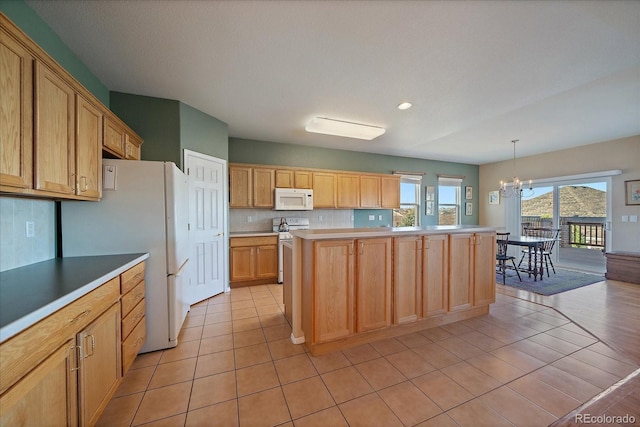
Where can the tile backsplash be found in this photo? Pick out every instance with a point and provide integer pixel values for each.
(16, 248)
(241, 220)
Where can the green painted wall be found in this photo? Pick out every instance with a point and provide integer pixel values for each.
(203, 133)
(168, 126)
(273, 153)
(156, 120)
(29, 22)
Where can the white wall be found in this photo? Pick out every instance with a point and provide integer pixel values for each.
(16, 249)
(623, 154)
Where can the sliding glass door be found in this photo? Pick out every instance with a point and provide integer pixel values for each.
(579, 209)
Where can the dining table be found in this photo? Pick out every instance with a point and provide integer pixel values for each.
(534, 245)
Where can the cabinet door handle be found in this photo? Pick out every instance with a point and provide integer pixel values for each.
(93, 346)
(80, 316)
(77, 354)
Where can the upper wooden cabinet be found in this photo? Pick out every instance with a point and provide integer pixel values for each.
(263, 185)
(52, 128)
(54, 148)
(252, 185)
(390, 192)
(370, 191)
(132, 145)
(290, 178)
(240, 186)
(324, 190)
(88, 152)
(119, 141)
(348, 191)
(16, 113)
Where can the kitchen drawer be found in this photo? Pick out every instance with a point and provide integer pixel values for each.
(131, 299)
(131, 320)
(235, 242)
(132, 345)
(25, 350)
(130, 278)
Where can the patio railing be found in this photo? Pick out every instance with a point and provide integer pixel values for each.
(587, 234)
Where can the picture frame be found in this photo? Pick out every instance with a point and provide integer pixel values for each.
(468, 192)
(429, 192)
(494, 197)
(468, 208)
(632, 192)
(429, 208)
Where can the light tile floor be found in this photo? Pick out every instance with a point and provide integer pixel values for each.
(523, 364)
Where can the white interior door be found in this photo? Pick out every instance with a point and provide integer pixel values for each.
(207, 225)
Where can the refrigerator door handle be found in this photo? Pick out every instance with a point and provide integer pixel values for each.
(177, 273)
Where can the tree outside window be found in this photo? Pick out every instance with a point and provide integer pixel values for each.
(449, 200)
(409, 213)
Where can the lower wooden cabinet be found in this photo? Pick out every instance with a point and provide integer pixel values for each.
(99, 373)
(47, 395)
(471, 270)
(63, 370)
(373, 283)
(407, 278)
(435, 274)
(253, 259)
(333, 316)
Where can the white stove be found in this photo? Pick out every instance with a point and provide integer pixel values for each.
(282, 226)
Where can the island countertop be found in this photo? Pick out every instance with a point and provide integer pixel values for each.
(354, 233)
(31, 293)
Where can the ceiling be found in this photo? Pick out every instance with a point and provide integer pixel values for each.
(553, 74)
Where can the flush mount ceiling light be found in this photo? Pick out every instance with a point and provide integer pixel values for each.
(342, 128)
(404, 105)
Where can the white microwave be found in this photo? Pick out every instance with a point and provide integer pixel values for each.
(293, 199)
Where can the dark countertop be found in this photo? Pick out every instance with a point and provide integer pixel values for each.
(30, 293)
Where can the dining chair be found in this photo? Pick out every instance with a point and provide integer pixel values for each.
(544, 253)
(547, 249)
(502, 257)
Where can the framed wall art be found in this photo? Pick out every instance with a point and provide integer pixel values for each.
(468, 192)
(468, 208)
(494, 197)
(632, 192)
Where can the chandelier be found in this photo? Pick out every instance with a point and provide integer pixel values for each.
(515, 187)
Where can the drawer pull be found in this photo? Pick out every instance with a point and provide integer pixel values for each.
(80, 316)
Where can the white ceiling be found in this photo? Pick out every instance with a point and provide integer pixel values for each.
(553, 74)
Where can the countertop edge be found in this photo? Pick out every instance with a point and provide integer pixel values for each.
(347, 233)
(32, 318)
(252, 233)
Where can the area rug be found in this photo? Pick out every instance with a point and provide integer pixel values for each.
(563, 280)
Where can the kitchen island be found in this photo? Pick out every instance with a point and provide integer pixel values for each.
(352, 286)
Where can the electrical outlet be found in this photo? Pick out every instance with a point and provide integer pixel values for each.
(29, 228)
(372, 217)
(633, 218)
(249, 219)
(625, 218)
(379, 217)
(319, 218)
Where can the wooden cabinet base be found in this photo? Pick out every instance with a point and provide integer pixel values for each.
(623, 266)
(395, 330)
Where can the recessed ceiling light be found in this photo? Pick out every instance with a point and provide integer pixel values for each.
(404, 106)
(341, 128)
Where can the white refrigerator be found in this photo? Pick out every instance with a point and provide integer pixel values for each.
(144, 208)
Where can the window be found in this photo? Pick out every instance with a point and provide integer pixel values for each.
(409, 213)
(449, 190)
